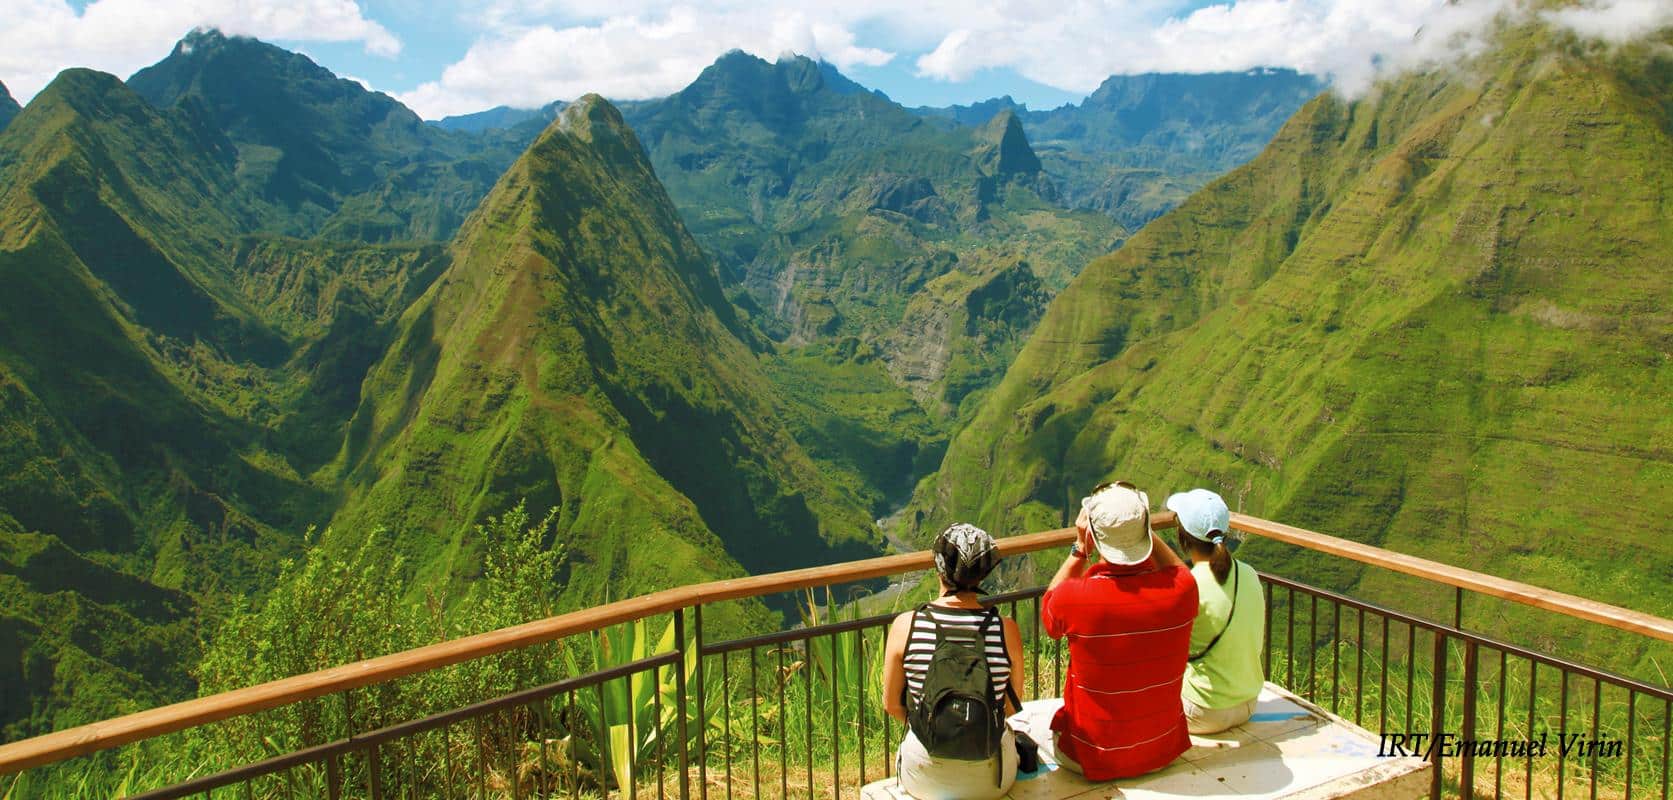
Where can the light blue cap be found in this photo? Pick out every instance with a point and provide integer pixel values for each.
(1201, 511)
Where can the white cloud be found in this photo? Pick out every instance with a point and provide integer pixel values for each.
(1614, 21)
(625, 57)
(38, 38)
(1350, 40)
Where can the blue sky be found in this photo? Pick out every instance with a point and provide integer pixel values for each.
(458, 56)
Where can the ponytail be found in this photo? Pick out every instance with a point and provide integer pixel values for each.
(1221, 561)
(1219, 557)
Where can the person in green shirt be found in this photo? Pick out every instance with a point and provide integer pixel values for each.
(1223, 675)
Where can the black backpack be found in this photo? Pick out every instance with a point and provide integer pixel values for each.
(959, 717)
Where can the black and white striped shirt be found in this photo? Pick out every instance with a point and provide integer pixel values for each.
(958, 623)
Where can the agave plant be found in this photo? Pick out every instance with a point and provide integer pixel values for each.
(625, 711)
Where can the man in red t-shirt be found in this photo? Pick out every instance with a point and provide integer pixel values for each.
(1128, 620)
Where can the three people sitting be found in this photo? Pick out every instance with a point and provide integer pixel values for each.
(1157, 649)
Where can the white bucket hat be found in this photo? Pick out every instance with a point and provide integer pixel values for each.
(1119, 516)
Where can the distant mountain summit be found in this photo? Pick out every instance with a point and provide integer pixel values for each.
(1140, 144)
(496, 118)
(325, 151)
(837, 214)
(1217, 120)
(8, 107)
(1005, 151)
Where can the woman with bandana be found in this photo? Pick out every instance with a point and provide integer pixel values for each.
(1223, 673)
(964, 555)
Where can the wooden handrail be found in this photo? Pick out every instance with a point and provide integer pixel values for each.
(1567, 604)
(103, 735)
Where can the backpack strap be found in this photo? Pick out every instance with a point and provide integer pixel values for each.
(1216, 640)
(906, 694)
(992, 616)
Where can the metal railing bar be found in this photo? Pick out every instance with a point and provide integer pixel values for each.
(726, 716)
(1666, 744)
(680, 701)
(1266, 632)
(1411, 660)
(1313, 650)
(1359, 667)
(1034, 650)
(795, 635)
(755, 714)
(334, 777)
(1562, 733)
(1632, 720)
(545, 745)
(1466, 777)
(1597, 695)
(860, 712)
(1289, 637)
(836, 716)
(702, 717)
(481, 760)
(1533, 700)
(632, 747)
(661, 741)
(1499, 725)
(1335, 656)
(1437, 709)
(783, 728)
(574, 763)
(807, 688)
(604, 741)
(1382, 692)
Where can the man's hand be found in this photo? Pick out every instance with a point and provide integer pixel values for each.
(1074, 565)
(1083, 531)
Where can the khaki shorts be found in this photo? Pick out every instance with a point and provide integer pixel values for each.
(927, 778)
(1214, 720)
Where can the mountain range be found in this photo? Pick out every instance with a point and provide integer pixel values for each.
(1140, 144)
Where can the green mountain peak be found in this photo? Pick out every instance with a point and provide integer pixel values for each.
(332, 157)
(1005, 151)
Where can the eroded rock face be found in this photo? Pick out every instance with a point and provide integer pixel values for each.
(913, 196)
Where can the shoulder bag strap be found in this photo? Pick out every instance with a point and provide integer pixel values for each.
(1236, 573)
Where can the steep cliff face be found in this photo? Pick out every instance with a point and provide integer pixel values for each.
(1431, 320)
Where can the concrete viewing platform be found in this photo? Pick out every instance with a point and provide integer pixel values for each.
(1290, 749)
